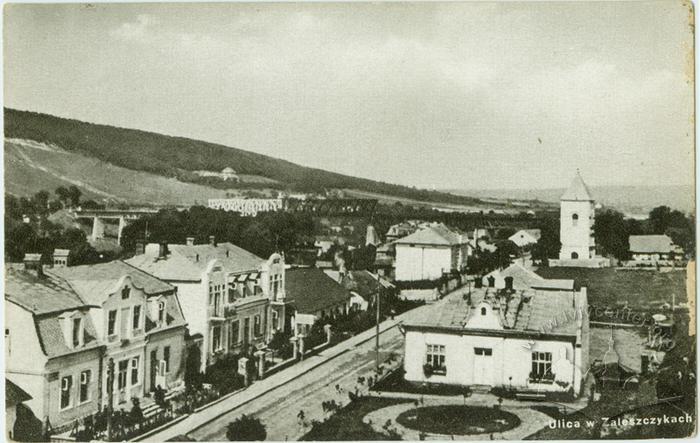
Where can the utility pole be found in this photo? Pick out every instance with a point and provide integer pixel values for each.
(110, 397)
(379, 292)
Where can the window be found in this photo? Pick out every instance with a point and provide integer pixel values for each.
(166, 358)
(112, 322)
(574, 219)
(256, 326)
(216, 338)
(77, 332)
(125, 293)
(84, 386)
(574, 255)
(134, 371)
(121, 377)
(8, 342)
(161, 311)
(234, 333)
(541, 365)
(436, 358)
(275, 285)
(275, 320)
(136, 324)
(483, 311)
(483, 351)
(492, 281)
(66, 385)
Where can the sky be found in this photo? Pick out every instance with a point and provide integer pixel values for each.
(444, 95)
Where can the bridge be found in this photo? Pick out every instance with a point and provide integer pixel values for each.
(361, 207)
(124, 216)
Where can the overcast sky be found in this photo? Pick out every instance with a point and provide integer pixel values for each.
(471, 95)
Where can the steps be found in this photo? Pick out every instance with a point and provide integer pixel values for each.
(149, 407)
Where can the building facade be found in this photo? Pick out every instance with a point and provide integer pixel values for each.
(234, 299)
(429, 253)
(528, 341)
(576, 222)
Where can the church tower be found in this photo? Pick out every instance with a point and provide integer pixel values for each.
(576, 222)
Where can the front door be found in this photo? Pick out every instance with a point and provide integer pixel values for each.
(483, 366)
(154, 370)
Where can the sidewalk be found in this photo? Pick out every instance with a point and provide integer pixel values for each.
(261, 387)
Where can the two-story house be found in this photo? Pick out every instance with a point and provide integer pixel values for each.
(231, 297)
(138, 318)
(429, 253)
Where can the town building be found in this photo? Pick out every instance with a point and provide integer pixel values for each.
(527, 341)
(311, 296)
(86, 321)
(577, 217)
(230, 297)
(226, 174)
(14, 399)
(518, 277)
(653, 248)
(363, 285)
(429, 253)
(246, 206)
(525, 237)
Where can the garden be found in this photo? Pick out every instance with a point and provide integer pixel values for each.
(458, 419)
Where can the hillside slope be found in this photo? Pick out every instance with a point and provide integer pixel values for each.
(178, 157)
(32, 166)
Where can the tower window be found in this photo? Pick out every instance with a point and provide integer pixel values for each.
(483, 311)
(574, 219)
(574, 255)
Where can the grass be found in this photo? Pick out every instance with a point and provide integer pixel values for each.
(347, 423)
(458, 419)
(641, 290)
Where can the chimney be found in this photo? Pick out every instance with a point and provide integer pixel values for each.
(140, 247)
(212, 240)
(32, 262)
(189, 241)
(162, 250)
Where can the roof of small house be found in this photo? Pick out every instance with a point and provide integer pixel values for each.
(185, 262)
(310, 290)
(94, 282)
(14, 395)
(524, 278)
(39, 295)
(534, 233)
(228, 170)
(651, 244)
(528, 310)
(439, 235)
(577, 191)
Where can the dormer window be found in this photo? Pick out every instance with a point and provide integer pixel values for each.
(112, 322)
(77, 332)
(125, 293)
(161, 312)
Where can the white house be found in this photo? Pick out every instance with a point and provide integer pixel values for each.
(525, 237)
(231, 297)
(528, 341)
(518, 277)
(429, 253)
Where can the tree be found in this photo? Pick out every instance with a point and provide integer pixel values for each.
(246, 428)
(63, 195)
(611, 233)
(74, 195)
(549, 245)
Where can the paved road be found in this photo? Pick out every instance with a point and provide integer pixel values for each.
(278, 399)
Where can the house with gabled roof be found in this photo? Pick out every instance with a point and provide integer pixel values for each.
(230, 297)
(528, 341)
(652, 248)
(429, 253)
(526, 237)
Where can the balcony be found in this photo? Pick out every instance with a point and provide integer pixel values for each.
(216, 312)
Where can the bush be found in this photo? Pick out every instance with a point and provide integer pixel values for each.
(246, 428)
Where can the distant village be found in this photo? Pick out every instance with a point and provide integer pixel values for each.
(120, 342)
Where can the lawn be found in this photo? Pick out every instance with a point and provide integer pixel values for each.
(347, 424)
(458, 419)
(641, 290)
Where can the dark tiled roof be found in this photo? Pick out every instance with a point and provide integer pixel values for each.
(39, 295)
(14, 395)
(93, 282)
(310, 290)
(550, 312)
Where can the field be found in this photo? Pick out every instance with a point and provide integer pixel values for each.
(642, 290)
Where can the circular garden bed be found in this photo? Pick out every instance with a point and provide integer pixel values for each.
(458, 419)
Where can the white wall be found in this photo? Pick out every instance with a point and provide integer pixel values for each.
(421, 262)
(509, 365)
(577, 238)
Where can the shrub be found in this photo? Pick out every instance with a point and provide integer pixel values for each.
(246, 428)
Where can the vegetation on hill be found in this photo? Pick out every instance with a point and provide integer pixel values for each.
(179, 157)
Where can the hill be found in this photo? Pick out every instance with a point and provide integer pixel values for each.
(632, 200)
(176, 158)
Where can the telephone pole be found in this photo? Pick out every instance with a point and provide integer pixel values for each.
(379, 292)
